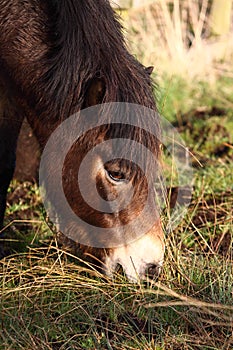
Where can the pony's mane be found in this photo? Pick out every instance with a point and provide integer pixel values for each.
(86, 42)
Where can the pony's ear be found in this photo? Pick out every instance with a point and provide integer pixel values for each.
(149, 70)
(95, 92)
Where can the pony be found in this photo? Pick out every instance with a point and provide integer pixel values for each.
(62, 57)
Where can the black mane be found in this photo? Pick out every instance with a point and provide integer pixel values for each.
(86, 42)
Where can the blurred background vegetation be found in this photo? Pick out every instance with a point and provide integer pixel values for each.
(186, 37)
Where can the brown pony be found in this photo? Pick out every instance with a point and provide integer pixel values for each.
(57, 58)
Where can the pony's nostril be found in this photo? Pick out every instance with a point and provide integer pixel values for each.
(152, 270)
(119, 270)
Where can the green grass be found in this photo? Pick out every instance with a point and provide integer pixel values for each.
(180, 100)
(52, 300)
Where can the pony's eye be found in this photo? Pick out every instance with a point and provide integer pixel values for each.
(116, 176)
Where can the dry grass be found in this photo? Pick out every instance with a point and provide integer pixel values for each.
(176, 39)
(49, 301)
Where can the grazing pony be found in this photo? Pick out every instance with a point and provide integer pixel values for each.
(60, 57)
